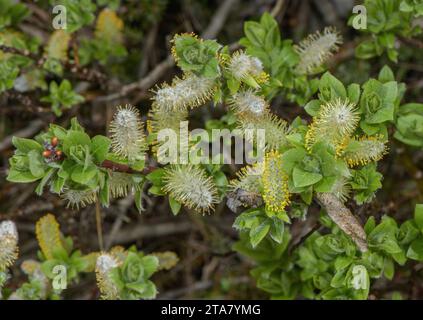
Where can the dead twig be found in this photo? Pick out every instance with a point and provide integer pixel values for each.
(32, 128)
(343, 217)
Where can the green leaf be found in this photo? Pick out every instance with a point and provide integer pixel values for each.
(100, 147)
(418, 216)
(255, 33)
(386, 75)
(313, 107)
(26, 145)
(36, 163)
(44, 180)
(258, 233)
(138, 200)
(303, 178)
(83, 176)
(277, 230)
(21, 176)
(415, 251)
(331, 88)
(175, 206)
(75, 138)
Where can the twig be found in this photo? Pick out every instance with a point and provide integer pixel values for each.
(277, 8)
(118, 167)
(147, 82)
(218, 19)
(412, 42)
(295, 245)
(80, 72)
(25, 53)
(137, 232)
(99, 224)
(29, 131)
(123, 206)
(343, 217)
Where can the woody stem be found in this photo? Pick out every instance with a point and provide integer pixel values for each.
(99, 224)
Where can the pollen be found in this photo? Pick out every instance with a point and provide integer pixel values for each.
(363, 150)
(47, 231)
(275, 128)
(275, 183)
(249, 179)
(336, 121)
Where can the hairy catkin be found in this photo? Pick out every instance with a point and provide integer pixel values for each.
(316, 49)
(190, 185)
(127, 134)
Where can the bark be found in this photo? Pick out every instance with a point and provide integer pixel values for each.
(343, 217)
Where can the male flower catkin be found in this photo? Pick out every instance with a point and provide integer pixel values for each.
(275, 183)
(8, 244)
(48, 235)
(361, 151)
(190, 185)
(275, 129)
(247, 103)
(121, 184)
(249, 179)
(316, 49)
(161, 118)
(79, 198)
(108, 289)
(246, 68)
(127, 134)
(189, 92)
(336, 121)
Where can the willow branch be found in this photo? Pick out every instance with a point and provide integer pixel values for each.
(119, 167)
(343, 217)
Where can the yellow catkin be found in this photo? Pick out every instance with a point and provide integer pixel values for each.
(275, 128)
(108, 289)
(57, 46)
(249, 179)
(363, 150)
(47, 231)
(167, 259)
(275, 183)
(109, 26)
(336, 120)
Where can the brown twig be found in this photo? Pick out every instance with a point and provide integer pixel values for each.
(99, 224)
(119, 167)
(32, 128)
(412, 42)
(343, 217)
